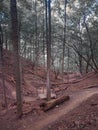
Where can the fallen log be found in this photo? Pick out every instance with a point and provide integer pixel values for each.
(50, 104)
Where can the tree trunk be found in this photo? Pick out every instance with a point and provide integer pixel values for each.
(48, 36)
(2, 68)
(15, 41)
(44, 34)
(36, 35)
(64, 40)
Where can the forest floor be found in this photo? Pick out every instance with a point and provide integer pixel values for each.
(80, 112)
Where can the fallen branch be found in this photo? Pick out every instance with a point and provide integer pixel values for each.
(91, 86)
(50, 104)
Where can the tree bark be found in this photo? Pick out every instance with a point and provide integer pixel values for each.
(48, 39)
(15, 42)
(64, 40)
(2, 68)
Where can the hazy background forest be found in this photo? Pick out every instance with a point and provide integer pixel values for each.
(81, 30)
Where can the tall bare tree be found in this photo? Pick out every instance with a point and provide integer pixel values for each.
(2, 68)
(48, 40)
(15, 42)
(64, 39)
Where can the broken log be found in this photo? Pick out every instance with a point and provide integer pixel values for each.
(50, 104)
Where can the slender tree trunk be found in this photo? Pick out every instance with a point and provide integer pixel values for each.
(15, 41)
(80, 48)
(36, 35)
(2, 68)
(48, 39)
(68, 66)
(64, 40)
(43, 34)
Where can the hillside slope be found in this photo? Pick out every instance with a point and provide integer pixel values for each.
(79, 88)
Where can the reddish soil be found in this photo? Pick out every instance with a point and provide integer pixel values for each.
(84, 117)
(79, 113)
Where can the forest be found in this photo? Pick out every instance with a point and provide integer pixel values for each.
(48, 64)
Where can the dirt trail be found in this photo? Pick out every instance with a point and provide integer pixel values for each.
(75, 100)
